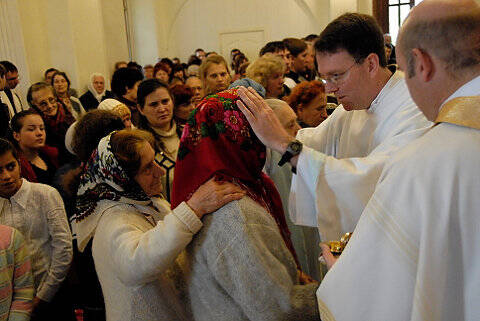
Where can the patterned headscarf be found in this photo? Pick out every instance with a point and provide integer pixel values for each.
(103, 179)
(218, 141)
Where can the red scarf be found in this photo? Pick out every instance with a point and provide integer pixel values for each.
(26, 167)
(218, 141)
(61, 121)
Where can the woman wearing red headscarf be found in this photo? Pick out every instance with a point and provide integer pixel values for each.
(242, 264)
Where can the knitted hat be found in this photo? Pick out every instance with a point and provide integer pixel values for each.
(247, 82)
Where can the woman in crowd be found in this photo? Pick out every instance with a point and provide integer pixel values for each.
(61, 85)
(309, 101)
(161, 72)
(96, 92)
(182, 96)
(57, 119)
(38, 162)
(214, 74)
(37, 211)
(155, 104)
(242, 265)
(119, 109)
(268, 71)
(136, 237)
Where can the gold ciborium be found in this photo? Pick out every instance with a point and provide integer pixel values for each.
(336, 247)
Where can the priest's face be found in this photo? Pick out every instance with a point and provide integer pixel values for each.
(345, 78)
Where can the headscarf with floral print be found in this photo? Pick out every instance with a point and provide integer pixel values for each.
(218, 141)
(102, 179)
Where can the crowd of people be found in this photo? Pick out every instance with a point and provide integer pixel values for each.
(201, 190)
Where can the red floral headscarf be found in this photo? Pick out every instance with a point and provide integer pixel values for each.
(218, 141)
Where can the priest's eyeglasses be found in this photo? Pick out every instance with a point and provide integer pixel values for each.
(339, 77)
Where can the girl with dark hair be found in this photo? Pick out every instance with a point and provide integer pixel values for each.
(38, 162)
(155, 104)
(61, 87)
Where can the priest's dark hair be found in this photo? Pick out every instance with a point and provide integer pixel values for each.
(358, 34)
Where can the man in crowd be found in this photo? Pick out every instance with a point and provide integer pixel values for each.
(391, 57)
(415, 254)
(9, 96)
(299, 66)
(200, 54)
(195, 84)
(124, 84)
(278, 48)
(342, 158)
(4, 113)
(148, 71)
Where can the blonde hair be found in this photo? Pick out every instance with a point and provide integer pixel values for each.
(265, 67)
(206, 64)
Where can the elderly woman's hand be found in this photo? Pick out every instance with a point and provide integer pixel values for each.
(212, 195)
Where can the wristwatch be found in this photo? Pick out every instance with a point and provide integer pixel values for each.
(293, 149)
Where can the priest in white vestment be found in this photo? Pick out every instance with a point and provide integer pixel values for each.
(341, 159)
(415, 254)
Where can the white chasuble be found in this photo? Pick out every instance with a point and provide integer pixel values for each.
(415, 254)
(343, 157)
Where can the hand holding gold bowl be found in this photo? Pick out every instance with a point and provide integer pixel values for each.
(336, 247)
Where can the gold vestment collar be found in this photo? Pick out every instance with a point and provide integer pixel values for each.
(462, 111)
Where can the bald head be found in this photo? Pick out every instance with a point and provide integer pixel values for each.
(446, 29)
(437, 9)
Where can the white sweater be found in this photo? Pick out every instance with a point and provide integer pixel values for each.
(135, 259)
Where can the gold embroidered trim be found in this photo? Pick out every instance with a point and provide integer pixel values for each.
(462, 111)
(325, 314)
